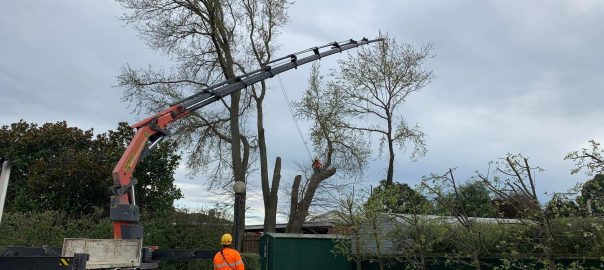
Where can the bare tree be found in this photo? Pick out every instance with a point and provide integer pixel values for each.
(210, 41)
(341, 150)
(376, 82)
(515, 178)
(265, 17)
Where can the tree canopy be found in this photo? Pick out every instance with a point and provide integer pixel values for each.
(399, 198)
(592, 193)
(57, 167)
(375, 83)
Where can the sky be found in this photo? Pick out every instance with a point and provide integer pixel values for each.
(510, 77)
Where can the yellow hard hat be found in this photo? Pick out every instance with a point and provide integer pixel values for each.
(226, 239)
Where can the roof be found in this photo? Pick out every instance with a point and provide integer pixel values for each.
(451, 219)
(308, 236)
(330, 216)
(284, 225)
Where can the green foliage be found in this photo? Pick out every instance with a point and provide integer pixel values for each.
(48, 228)
(561, 206)
(182, 229)
(171, 229)
(251, 261)
(155, 174)
(62, 168)
(515, 206)
(584, 235)
(592, 192)
(590, 160)
(577, 235)
(473, 197)
(399, 198)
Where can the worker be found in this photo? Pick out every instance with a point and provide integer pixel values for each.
(227, 258)
(316, 165)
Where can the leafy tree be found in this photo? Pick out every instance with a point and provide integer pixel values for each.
(474, 198)
(57, 167)
(155, 190)
(591, 159)
(561, 206)
(399, 198)
(376, 83)
(592, 195)
(340, 150)
(513, 205)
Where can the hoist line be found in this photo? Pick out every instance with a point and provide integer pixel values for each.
(291, 112)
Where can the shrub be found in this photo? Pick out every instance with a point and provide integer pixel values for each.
(251, 261)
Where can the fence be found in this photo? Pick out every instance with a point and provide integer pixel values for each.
(251, 245)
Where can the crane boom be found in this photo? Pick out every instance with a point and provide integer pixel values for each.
(123, 212)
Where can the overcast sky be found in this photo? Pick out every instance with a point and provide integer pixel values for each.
(511, 76)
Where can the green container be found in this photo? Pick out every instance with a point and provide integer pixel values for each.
(280, 251)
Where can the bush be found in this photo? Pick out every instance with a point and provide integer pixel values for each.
(49, 228)
(251, 261)
(181, 229)
(174, 229)
(576, 235)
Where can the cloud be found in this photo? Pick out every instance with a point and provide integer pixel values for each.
(511, 76)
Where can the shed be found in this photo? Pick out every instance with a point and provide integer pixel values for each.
(300, 251)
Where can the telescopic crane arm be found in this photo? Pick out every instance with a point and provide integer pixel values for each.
(124, 213)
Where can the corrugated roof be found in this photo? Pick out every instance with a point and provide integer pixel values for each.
(309, 236)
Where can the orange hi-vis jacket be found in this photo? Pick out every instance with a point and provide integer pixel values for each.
(228, 259)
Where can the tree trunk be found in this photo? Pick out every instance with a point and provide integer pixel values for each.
(271, 198)
(548, 245)
(299, 206)
(422, 246)
(378, 246)
(357, 238)
(475, 261)
(390, 175)
(240, 212)
(292, 223)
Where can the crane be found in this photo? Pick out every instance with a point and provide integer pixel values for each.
(124, 213)
(125, 251)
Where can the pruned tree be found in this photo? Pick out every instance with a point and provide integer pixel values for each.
(514, 178)
(374, 219)
(340, 150)
(375, 83)
(210, 41)
(446, 193)
(351, 220)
